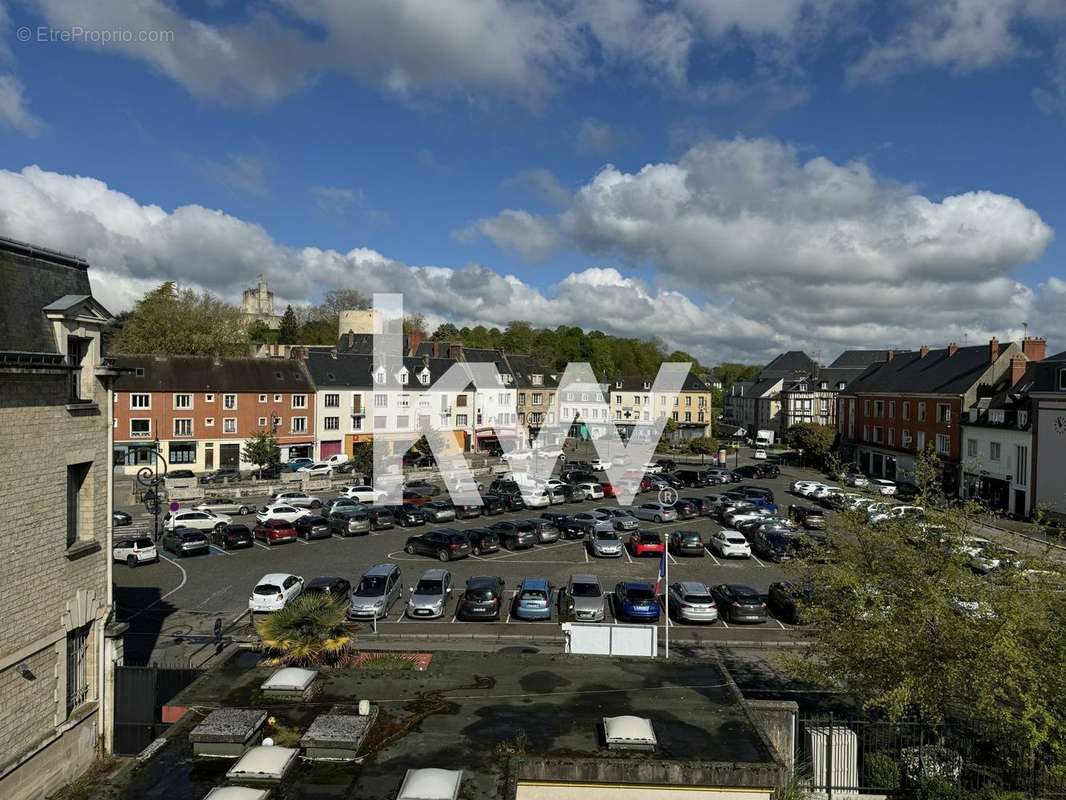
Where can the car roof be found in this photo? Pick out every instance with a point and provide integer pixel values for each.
(627, 585)
(534, 583)
(584, 578)
(276, 577)
(324, 580)
(380, 569)
(694, 587)
(435, 574)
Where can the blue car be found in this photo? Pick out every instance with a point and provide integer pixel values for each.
(534, 599)
(764, 504)
(635, 601)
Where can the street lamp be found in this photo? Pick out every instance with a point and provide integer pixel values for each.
(152, 479)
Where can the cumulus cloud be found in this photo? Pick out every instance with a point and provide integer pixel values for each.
(543, 184)
(134, 246)
(14, 108)
(532, 237)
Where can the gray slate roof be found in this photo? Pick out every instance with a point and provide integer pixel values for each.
(788, 365)
(355, 371)
(206, 374)
(937, 373)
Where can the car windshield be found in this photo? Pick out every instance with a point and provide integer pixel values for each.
(481, 593)
(640, 593)
(267, 588)
(698, 598)
(649, 538)
(607, 536)
(690, 536)
(585, 590)
(371, 586)
(143, 543)
(534, 594)
(429, 587)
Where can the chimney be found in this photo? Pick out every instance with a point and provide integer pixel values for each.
(1017, 369)
(890, 355)
(1034, 348)
(993, 350)
(455, 351)
(952, 349)
(414, 339)
(923, 351)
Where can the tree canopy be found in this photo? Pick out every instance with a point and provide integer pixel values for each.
(172, 321)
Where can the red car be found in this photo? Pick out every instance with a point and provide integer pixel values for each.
(416, 499)
(643, 543)
(274, 531)
(608, 489)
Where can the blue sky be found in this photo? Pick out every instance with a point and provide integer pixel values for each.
(824, 174)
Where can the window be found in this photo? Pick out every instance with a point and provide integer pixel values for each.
(460, 400)
(424, 377)
(379, 423)
(943, 444)
(209, 398)
(331, 423)
(229, 401)
(971, 448)
(879, 408)
(866, 433)
(229, 425)
(183, 427)
(77, 349)
(403, 421)
(892, 437)
(905, 439)
(688, 400)
(921, 412)
(79, 503)
(878, 434)
(299, 424)
(537, 380)
(357, 423)
(906, 409)
(994, 451)
(143, 401)
(183, 401)
(461, 420)
(617, 414)
(262, 422)
(379, 376)
(405, 401)
(403, 377)
(521, 398)
(209, 422)
(77, 667)
(688, 416)
(1062, 380)
(892, 409)
(262, 398)
(381, 400)
(921, 441)
(140, 429)
(299, 401)
(675, 416)
(1021, 458)
(866, 407)
(277, 398)
(823, 386)
(636, 399)
(943, 413)
(536, 398)
(700, 417)
(184, 453)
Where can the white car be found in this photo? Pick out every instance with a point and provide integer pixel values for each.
(466, 485)
(274, 590)
(593, 491)
(135, 550)
(883, 487)
(993, 556)
(518, 455)
(759, 455)
(802, 487)
(598, 464)
(225, 505)
(652, 468)
(281, 511)
(362, 493)
(730, 544)
(301, 499)
(320, 469)
(551, 483)
(879, 512)
(336, 459)
(736, 519)
(536, 499)
(198, 520)
(822, 492)
(857, 481)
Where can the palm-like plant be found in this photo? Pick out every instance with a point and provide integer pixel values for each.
(309, 630)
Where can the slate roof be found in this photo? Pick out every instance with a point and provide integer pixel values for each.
(635, 383)
(761, 387)
(32, 279)
(1042, 376)
(355, 371)
(206, 374)
(788, 365)
(860, 359)
(937, 373)
(525, 366)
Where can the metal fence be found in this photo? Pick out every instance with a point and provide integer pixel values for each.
(848, 756)
(140, 694)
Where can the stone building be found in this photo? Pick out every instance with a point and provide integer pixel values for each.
(257, 305)
(55, 413)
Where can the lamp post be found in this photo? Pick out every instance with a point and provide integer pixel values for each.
(152, 478)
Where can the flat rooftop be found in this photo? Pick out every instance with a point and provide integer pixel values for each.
(497, 718)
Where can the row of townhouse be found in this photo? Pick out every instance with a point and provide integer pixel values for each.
(633, 401)
(994, 415)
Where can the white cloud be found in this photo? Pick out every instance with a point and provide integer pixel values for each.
(657, 40)
(14, 111)
(598, 138)
(543, 184)
(133, 247)
(533, 237)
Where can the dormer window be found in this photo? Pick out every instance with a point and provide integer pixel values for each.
(803, 387)
(537, 380)
(379, 375)
(647, 385)
(841, 385)
(617, 384)
(423, 377)
(1062, 380)
(403, 376)
(823, 386)
(77, 350)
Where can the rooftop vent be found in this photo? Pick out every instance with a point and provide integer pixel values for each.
(430, 784)
(236, 793)
(264, 763)
(629, 733)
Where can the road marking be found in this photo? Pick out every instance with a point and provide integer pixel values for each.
(240, 616)
(184, 578)
(301, 541)
(775, 619)
(672, 559)
(715, 560)
(626, 551)
(722, 620)
(402, 614)
(260, 544)
(510, 605)
(757, 561)
(586, 555)
(223, 552)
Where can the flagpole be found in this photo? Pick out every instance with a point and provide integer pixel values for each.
(666, 595)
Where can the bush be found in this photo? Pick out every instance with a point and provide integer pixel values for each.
(882, 771)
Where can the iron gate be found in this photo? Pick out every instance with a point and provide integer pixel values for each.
(140, 694)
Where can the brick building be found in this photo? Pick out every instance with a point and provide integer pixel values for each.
(915, 401)
(202, 410)
(56, 567)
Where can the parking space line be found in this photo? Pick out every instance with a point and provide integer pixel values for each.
(715, 560)
(301, 541)
(260, 544)
(223, 552)
(626, 551)
(775, 619)
(586, 552)
(401, 617)
(720, 619)
(672, 559)
(510, 605)
(757, 561)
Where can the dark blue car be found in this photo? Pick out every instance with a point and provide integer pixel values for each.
(635, 601)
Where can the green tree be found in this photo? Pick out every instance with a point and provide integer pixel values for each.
(289, 331)
(260, 333)
(172, 321)
(310, 630)
(703, 445)
(363, 458)
(261, 449)
(816, 442)
(731, 372)
(414, 323)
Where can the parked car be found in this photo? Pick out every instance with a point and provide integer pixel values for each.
(582, 599)
(737, 603)
(534, 600)
(135, 550)
(232, 536)
(407, 515)
(544, 529)
(185, 542)
(350, 521)
(225, 505)
(464, 511)
(753, 493)
(298, 499)
(759, 455)
(482, 598)
(604, 543)
(787, 599)
(274, 590)
(635, 601)
(593, 491)
(856, 480)
(181, 474)
(378, 588)
(336, 589)
(362, 492)
(685, 509)
(275, 531)
(482, 541)
(295, 464)
(883, 487)
(599, 465)
(429, 597)
(691, 601)
(197, 520)
(120, 519)
(514, 536)
(702, 507)
(719, 475)
(772, 546)
(906, 492)
(380, 518)
(319, 469)
(657, 512)
(645, 543)
(446, 544)
(686, 543)
(492, 504)
(879, 513)
(281, 511)
(337, 503)
(313, 526)
(808, 517)
(693, 478)
(620, 518)
(221, 476)
(729, 544)
(422, 487)
(439, 511)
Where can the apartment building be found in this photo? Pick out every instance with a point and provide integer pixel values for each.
(812, 398)
(634, 401)
(200, 411)
(55, 404)
(535, 387)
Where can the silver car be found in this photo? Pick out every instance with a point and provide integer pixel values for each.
(583, 598)
(225, 505)
(378, 588)
(622, 519)
(691, 601)
(605, 543)
(656, 512)
(298, 499)
(429, 597)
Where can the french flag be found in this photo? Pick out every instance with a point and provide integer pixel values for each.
(660, 582)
